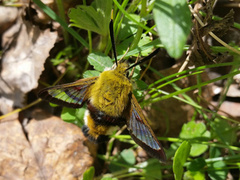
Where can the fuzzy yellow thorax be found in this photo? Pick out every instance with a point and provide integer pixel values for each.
(110, 93)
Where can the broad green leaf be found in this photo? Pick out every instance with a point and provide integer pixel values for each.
(198, 149)
(89, 173)
(100, 61)
(94, 18)
(136, 73)
(121, 48)
(196, 164)
(91, 73)
(85, 19)
(79, 113)
(152, 170)
(104, 7)
(213, 169)
(180, 158)
(125, 159)
(138, 94)
(194, 175)
(128, 27)
(223, 131)
(215, 152)
(74, 116)
(217, 170)
(173, 21)
(128, 156)
(68, 114)
(145, 40)
(196, 131)
(141, 84)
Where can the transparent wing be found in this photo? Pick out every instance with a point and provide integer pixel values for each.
(70, 95)
(142, 133)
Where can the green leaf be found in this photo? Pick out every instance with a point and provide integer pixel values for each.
(128, 27)
(89, 173)
(194, 175)
(198, 149)
(104, 7)
(215, 172)
(214, 169)
(79, 113)
(68, 114)
(141, 84)
(215, 152)
(153, 170)
(125, 159)
(100, 61)
(180, 158)
(127, 34)
(74, 116)
(94, 18)
(136, 72)
(91, 73)
(173, 21)
(145, 40)
(128, 156)
(197, 164)
(196, 131)
(173, 148)
(85, 17)
(121, 48)
(223, 131)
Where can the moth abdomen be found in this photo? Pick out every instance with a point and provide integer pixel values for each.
(101, 118)
(97, 132)
(95, 138)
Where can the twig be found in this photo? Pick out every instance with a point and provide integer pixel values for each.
(211, 33)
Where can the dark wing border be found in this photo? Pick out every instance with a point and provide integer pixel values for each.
(71, 95)
(142, 133)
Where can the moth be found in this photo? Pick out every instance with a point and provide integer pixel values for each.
(110, 104)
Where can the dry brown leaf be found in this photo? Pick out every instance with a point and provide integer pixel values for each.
(26, 49)
(58, 148)
(201, 53)
(53, 149)
(219, 27)
(17, 160)
(7, 17)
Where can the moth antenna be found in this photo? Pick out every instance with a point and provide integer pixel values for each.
(145, 59)
(112, 38)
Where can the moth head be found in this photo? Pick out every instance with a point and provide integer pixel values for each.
(121, 68)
